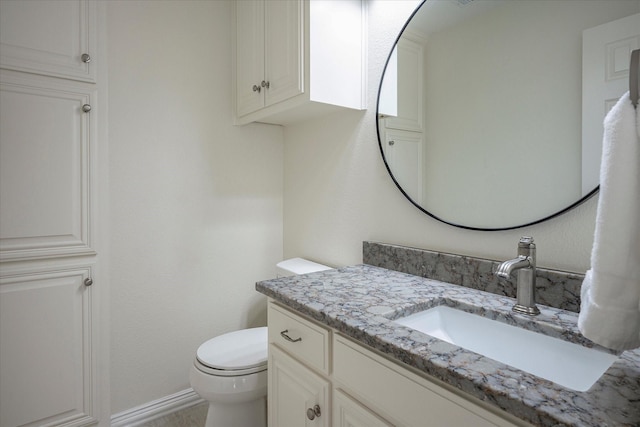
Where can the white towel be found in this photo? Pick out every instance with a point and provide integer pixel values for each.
(610, 308)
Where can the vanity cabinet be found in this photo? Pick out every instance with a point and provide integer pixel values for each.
(308, 361)
(54, 38)
(297, 59)
(297, 395)
(299, 387)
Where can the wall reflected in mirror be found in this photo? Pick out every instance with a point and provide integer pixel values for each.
(490, 112)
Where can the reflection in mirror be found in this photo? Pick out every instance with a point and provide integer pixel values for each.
(490, 112)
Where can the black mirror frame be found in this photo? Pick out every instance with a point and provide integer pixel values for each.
(386, 164)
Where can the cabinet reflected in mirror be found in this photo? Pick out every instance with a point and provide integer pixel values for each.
(499, 105)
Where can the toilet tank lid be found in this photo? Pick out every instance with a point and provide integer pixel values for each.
(300, 266)
(241, 349)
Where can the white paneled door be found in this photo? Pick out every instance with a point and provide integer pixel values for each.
(52, 353)
(606, 54)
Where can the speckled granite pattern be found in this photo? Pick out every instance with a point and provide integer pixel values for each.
(554, 288)
(361, 301)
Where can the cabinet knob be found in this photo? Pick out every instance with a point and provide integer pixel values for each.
(256, 88)
(88, 281)
(85, 58)
(265, 84)
(392, 142)
(86, 108)
(314, 412)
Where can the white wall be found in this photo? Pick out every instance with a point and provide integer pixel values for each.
(337, 192)
(196, 203)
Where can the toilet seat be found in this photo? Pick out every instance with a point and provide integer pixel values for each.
(235, 353)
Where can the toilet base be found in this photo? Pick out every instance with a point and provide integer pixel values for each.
(246, 414)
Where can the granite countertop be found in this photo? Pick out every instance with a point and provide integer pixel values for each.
(361, 301)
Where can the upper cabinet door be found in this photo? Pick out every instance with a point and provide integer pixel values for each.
(269, 55)
(298, 59)
(63, 44)
(284, 50)
(249, 56)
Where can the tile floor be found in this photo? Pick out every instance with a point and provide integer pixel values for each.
(190, 417)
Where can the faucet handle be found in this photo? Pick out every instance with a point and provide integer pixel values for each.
(526, 247)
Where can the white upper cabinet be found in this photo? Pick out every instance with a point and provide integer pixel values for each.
(62, 44)
(297, 59)
(269, 53)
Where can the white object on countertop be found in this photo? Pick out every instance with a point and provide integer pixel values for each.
(610, 308)
(295, 266)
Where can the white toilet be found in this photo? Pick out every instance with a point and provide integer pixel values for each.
(230, 370)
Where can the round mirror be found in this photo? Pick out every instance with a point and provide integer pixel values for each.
(490, 111)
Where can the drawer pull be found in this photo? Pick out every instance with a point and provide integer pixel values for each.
(287, 337)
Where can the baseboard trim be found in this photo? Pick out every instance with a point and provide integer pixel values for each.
(158, 408)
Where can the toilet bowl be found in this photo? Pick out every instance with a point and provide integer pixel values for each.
(230, 370)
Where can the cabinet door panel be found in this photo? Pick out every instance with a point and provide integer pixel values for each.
(284, 50)
(66, 30)
(249, 56)
(293, 389)
(45, 169)
(410, 87)
(404, 154)
(349, 413)
(47, 362)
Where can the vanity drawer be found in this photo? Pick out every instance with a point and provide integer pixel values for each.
(400, 396)
(305, 340)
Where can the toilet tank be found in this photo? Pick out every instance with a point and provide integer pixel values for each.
(294, 266)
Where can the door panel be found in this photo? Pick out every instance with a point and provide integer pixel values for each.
(284, 50)
(293, 389)
(249, 56)
(606, 52)
(65, 31)
(47, 357)
(45, 169)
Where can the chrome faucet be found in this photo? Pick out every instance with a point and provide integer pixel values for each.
(525, 263)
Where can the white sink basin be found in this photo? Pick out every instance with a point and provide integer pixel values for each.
(570, 365)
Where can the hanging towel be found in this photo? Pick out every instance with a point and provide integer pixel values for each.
(610, 307)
